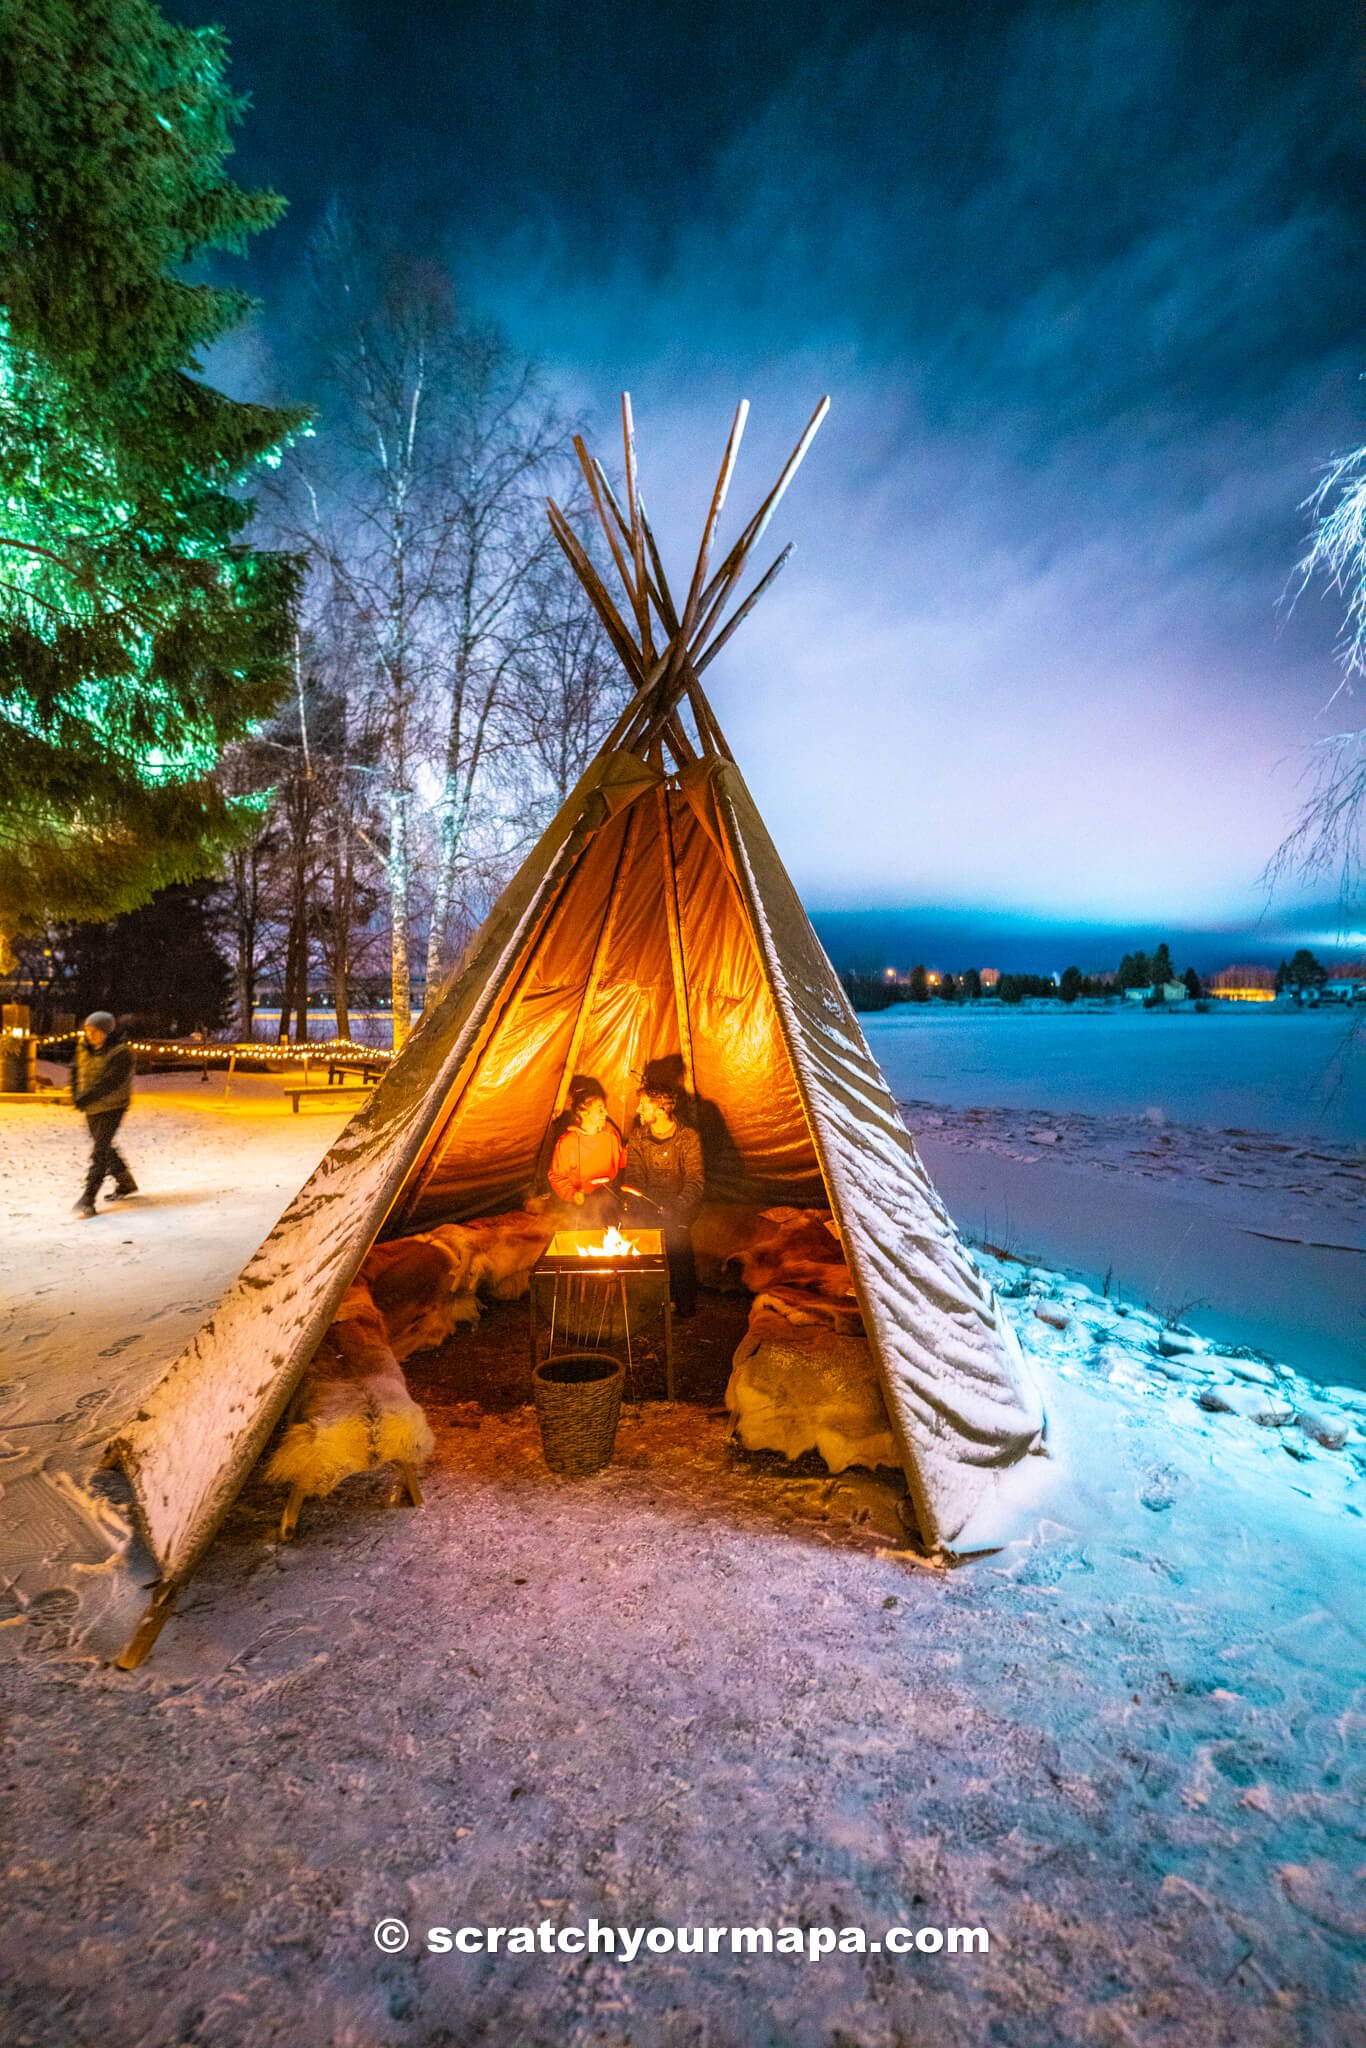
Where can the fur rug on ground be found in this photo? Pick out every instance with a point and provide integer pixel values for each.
(422, 1289)
(738, 1247)
(352, 1413)
(498, 1252)
(801, 1386)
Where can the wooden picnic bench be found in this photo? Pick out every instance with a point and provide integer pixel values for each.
(328, 1092)
(370, 1070)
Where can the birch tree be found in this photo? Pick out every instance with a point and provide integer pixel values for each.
(369, 497)
(1327, 837)
(421, 503)
(508, 441)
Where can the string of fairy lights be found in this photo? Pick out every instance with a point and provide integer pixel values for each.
(315, 1049)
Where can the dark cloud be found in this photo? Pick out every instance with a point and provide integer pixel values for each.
(1084, 282)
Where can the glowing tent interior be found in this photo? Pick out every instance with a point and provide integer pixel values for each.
(654, 918)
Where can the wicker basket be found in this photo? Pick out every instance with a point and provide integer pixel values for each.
(578, 1403)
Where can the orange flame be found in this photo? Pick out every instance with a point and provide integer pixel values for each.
(613, 1246)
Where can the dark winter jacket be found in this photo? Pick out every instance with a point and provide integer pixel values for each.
(102, 1079)
(667, 1170)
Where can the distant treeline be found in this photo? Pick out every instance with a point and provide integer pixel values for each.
(1136, 971)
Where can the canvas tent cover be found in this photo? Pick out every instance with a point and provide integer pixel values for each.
(654, 918)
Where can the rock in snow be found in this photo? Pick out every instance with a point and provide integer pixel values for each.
(1326, 1428)
(1265, 1408)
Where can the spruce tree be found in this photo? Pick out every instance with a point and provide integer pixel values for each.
(1306, 970)
(138, 633)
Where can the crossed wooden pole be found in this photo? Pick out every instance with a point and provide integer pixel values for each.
(689, 639)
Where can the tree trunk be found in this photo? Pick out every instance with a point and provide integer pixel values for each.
(343, 892)
(301, 980)
(398, 873)
(445, 888)
(246, 1000)
(246, 978)
(287, 991)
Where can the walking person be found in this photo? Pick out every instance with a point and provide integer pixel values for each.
(102, 1087)
(664, 1164)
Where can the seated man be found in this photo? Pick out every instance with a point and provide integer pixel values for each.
(664, 1168)
(588, 1153)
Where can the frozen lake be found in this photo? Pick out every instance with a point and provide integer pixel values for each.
(1212, 1167)
(1246, 1066)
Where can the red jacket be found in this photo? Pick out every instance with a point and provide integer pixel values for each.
(580, 1163)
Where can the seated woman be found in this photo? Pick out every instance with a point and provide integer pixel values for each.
(664, 1166)
(588, 1153)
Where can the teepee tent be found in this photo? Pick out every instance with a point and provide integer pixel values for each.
(654, 920)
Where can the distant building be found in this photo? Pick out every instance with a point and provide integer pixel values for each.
(1172, 992)
(1244, 985)
(990, 977)
(1345, 984)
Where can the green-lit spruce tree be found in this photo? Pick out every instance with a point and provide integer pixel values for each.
(138, 632)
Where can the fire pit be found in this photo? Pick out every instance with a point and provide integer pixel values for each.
(600, 1289)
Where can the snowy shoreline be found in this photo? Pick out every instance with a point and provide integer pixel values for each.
(1255, 1240)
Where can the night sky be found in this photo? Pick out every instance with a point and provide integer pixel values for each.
(1082, 281)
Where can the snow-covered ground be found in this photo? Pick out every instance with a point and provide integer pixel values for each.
(696, 1689)
(1211, 1165)
(91, 1314)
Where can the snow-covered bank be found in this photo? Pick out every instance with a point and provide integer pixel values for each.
(1276, 1259)
(1213, 1166)
(694, 1689)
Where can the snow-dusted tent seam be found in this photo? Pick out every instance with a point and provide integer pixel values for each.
(653, 919)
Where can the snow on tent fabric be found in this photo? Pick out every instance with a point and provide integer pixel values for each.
(654, 918)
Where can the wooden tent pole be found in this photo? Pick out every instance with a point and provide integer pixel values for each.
(730, 571)
(597, 592)
(628, 436)
(596, 965)
(678, 643)
(743, 611)
(629, 654)
(718, 499)
(713, 738)
(664, 601)
(671, 918)
(636, 720)
(587, 466)
(659, 683)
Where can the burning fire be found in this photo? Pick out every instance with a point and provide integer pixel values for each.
(613, 1246)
